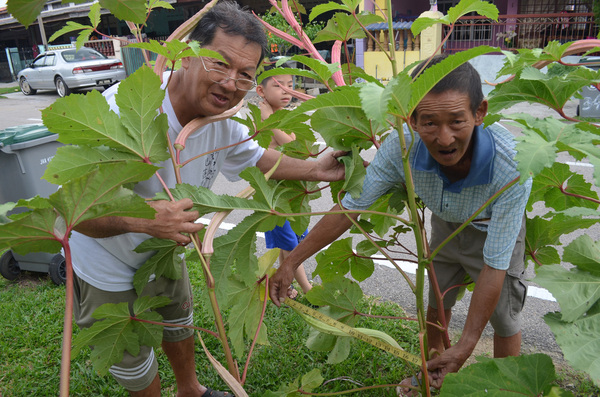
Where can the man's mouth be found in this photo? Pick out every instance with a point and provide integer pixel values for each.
(221, 99)
(446, 152)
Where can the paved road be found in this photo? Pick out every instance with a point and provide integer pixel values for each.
(16, 109)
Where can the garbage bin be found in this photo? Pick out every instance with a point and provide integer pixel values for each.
(589, 104)
(25, 151)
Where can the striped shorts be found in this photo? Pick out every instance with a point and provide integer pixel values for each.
(136, 373)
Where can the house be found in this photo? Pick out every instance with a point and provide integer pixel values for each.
(521, 24)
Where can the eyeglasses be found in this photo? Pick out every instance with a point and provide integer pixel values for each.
(220, 77)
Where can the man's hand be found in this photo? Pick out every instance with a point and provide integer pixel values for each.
(280, 283)
(173, 219)
(450, 360)
(329, 168)
(170, 222)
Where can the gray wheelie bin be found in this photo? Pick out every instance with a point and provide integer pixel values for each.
(589, 104)
(25, 151)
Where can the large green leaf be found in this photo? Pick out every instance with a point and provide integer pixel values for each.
(553, 91)
(533, 154)
(345, 27)
(236, 250)
(35, 231)
(339, 259)
(526, 375)
(244, 316)
(584, 253)
(166, 262)
(433, 74)
(25, 11)
(69, 27)
(87, 120)
(205, 201)
(575, 290)
(101, 193)
(549, 185)
(355, 173)
(342, 128)
(464, 7)
(73, 161)
(579, 342)
(544, 234)
(116, 331)
(139, 97)
(348, 6)
(127, 10)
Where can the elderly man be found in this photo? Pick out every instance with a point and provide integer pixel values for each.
(103, 258)
(457, 165)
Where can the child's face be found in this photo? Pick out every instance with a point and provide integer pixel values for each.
(274, 94)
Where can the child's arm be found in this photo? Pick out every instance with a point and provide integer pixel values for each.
(279, 137)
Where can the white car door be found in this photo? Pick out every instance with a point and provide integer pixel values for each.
(34, 76)
(47, 71)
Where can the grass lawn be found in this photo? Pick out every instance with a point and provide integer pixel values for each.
(9, 90)
(31, 315)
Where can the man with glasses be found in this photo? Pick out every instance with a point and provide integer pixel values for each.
(104, 260)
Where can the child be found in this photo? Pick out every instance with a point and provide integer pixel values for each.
(282, 237)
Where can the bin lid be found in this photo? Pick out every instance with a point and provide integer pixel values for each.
(22, 133)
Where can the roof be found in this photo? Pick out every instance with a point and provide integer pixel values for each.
(395, 26)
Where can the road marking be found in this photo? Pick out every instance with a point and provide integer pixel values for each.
(407, 267)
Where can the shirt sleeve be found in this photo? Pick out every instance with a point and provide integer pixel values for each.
(384, 172)
(505, 225)
(241, 156)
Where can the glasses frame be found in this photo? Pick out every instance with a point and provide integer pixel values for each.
(226, 78)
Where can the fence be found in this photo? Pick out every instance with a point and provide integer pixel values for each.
(521, 31)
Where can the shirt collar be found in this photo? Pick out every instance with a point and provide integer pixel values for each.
(482, 163)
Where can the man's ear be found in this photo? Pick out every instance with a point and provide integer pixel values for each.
(413, 121)
(185, 62)
(481, 112)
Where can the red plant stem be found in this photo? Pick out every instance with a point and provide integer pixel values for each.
(260, 322)
(439, 298)
(339, 393)
(65, 362)
(564, 191)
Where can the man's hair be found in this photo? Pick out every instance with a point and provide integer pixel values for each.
(235, 21)
(464, 79)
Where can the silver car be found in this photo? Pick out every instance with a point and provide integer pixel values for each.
(66, 70)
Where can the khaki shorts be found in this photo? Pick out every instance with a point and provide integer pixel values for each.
(464, 255)
(136, 373)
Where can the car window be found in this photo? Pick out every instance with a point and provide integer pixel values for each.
(39, 61)
(50, 60)
(84, 54)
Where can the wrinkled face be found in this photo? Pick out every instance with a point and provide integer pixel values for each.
(208, 98)
(445, 123)
(274, 94)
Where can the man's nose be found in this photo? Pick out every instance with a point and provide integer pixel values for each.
(445, 136)
(229, 85)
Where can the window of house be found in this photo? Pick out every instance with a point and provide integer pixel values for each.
(468, 29)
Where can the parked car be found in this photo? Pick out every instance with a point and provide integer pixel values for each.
(70, 69)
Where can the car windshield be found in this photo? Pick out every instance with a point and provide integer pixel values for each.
(84, 54)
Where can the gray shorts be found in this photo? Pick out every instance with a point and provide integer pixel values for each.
(464, 255)
(137, 372)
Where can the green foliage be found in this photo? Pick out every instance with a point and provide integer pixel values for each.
(117, 331)
(527, 375)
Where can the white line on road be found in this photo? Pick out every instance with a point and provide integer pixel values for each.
(407, 267)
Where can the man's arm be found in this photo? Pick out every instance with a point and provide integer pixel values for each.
(483, 303)
(327, 230)
(172, 219)
(327, 168)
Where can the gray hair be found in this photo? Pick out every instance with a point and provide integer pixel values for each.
(235, 21)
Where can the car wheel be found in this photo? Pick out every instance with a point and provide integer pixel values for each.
(9, 267)
(25, 87)
(61, 87)
(58, 269)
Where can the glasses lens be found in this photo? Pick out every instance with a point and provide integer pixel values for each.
(217, 76)
(244, 84)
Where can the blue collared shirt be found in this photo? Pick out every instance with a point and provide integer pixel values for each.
(492, 167)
